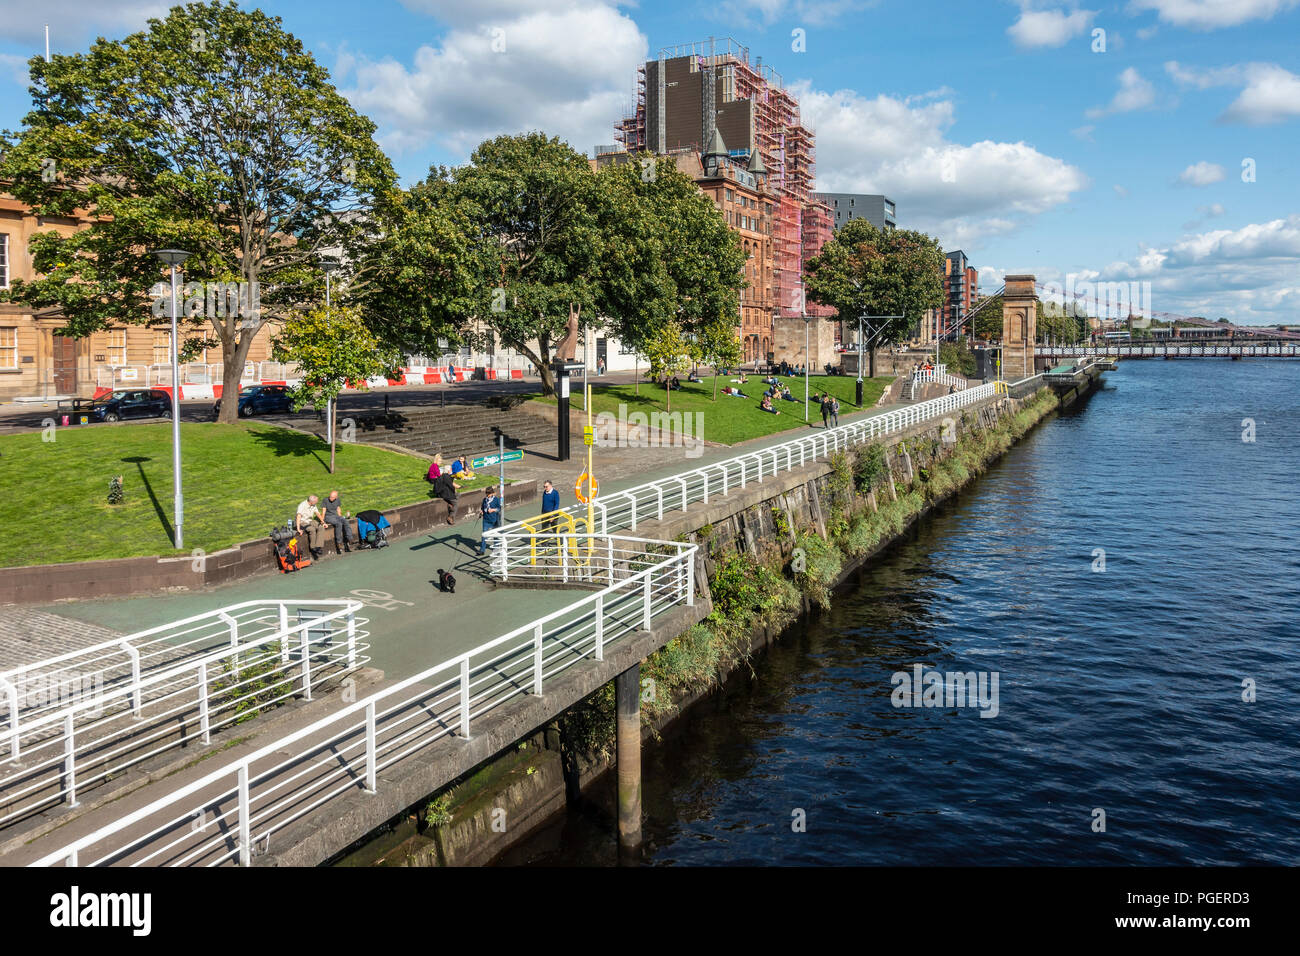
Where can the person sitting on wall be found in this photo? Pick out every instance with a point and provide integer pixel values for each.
(309, 521)
(766, 405)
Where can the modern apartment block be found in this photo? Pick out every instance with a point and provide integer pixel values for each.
(960, 289)
(878, 210)
(696, 95)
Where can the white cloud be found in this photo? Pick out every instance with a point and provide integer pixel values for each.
(1120, 191)
(1084, 133)
(1048, 28)
(1202, 174)
(71, 20)
(1269, 93)
(16, 67)
(1212, 14)
(515, 68)
(1146, 33)
(1247, 274)
(961, 192)
(1135, 93)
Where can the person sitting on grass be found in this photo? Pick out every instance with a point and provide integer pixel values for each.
(766, 405)
(460, 470)
(785, 393)
(694, 376)
(733, 392)
(435, 469)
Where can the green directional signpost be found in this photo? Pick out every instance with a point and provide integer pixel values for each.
(499, 459)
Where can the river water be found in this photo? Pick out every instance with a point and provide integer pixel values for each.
(1120, 691)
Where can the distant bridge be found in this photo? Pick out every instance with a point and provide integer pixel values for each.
(1173, 350)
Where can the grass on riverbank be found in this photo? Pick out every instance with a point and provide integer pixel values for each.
(239, 481)
(731, 420)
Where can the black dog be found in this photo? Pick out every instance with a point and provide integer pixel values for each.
(446, 581)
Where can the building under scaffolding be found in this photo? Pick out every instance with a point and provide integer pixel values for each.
(692, 91)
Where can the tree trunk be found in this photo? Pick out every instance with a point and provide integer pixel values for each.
(232, 370)
(334, 429)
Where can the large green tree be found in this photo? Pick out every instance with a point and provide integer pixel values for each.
(531, 205)
(867, 271)
(212, 131)
(424, 275)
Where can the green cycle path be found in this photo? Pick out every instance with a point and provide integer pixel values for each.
(412, 624)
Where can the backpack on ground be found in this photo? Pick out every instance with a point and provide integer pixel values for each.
(287, 552)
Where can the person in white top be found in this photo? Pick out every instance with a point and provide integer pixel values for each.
(311, 522)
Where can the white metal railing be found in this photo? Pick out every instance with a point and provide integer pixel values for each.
(191, 373)
(938, 375)
(651, 500)
(225, 814)
(75, 720)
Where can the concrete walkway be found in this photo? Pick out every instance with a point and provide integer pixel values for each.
(412, 624)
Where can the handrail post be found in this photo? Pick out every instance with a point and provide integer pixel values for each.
(646, 595)
(689, 570)
(609, 542)
(284, 634)
(204, 726)
(11, 696)
(464, 697)
(245, 825)
(234, 637)
(134, 654)
(600, 627)
(370, 746)
(69, 761)
(659, 489)
(352, 640)
(564, 556)
(705, 474)
(537, 660)
(306, 665)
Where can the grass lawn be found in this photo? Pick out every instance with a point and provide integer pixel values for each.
(240, 480)
(731, 420)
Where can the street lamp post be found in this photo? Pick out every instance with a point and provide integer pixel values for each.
(173, 258)
(328, 266)
(860, 347)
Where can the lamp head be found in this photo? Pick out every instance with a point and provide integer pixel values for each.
(172, 257)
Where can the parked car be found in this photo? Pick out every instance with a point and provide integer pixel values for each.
(261, 400)
(132, 403)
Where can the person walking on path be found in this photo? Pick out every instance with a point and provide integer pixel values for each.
(835, 411)
(550, 498)
(491, 511)
(826, 410)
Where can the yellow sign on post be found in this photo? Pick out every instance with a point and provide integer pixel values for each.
(588, 435)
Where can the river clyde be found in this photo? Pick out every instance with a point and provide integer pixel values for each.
(1120, 676)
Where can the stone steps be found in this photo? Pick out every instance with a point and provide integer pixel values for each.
(457, 430)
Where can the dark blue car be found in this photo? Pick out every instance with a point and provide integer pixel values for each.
(261, 400)
(132, 403)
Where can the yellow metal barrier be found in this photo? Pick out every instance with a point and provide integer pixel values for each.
(554, 524)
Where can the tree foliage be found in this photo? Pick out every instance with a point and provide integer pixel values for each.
(333, 348)
(866, 271)
(668, 354)
(213, 131)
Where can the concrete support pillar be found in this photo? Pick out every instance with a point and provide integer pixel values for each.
(1019, 327)
(627, 693)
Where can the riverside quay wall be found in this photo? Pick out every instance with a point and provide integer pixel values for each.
(769, 553)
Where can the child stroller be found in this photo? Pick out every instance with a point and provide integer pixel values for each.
(372, 530)
(287, 552)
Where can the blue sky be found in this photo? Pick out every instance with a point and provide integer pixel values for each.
(996, 126)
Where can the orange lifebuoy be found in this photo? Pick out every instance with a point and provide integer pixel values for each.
(592, 488)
